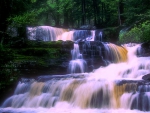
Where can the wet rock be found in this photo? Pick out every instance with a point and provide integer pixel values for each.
(44, 57)
(87, 27)
(146, 77)
(144, 50)
(44, 78)
(111, 34)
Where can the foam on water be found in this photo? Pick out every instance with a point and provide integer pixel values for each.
(65, 108)
(133, 69)
(100, 91)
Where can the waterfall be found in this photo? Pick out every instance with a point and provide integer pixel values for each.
(47, 33)
(116, 86)
(77, 64)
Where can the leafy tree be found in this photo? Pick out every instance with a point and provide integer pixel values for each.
(139, 33)
(135, 10)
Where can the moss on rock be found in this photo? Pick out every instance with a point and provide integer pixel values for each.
(44, 55)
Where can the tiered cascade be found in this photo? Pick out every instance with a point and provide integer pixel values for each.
(77, 64)
(117, 85)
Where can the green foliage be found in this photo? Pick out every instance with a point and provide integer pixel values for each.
(139, 33)
(42, 44)
(8, 72)
(111, 34)
(33, 1)
(6, 55)
(145, 28)
(132, 36)
(36, 54)
(135, 10)
(70, 13)
(27, 18)
(59, 11)
(40, 52)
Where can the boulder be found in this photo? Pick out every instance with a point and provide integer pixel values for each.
(87, 27)
(144, 50)
(146, 77)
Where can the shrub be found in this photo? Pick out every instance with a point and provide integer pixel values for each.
(139, 33)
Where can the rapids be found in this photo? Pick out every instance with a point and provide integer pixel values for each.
(117, 87)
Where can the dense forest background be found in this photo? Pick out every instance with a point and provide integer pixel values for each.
(72, 13)
(132, 15)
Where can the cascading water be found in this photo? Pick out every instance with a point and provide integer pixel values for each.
(77, 64)
(47, 33)
(117, 87)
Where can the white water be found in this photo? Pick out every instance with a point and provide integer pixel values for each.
(100, 79)
(94, 92)
(48, 33)
(77, 64)
(65, 108)
(125, 70)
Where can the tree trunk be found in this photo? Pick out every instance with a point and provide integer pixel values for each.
(120, 12)
(95, 19)
(4, 6)
(66, 19)
(83, 12)
(102, 13)
(97, 12)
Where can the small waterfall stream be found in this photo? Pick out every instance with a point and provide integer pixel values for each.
(77, 64)
(116, 87)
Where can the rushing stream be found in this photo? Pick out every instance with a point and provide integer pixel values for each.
(115, 88)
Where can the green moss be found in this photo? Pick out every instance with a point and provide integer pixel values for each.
(40, 44)
(49, 44)
(20, 57)
(40, 52)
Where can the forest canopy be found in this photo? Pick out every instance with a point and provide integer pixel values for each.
(73, 13)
